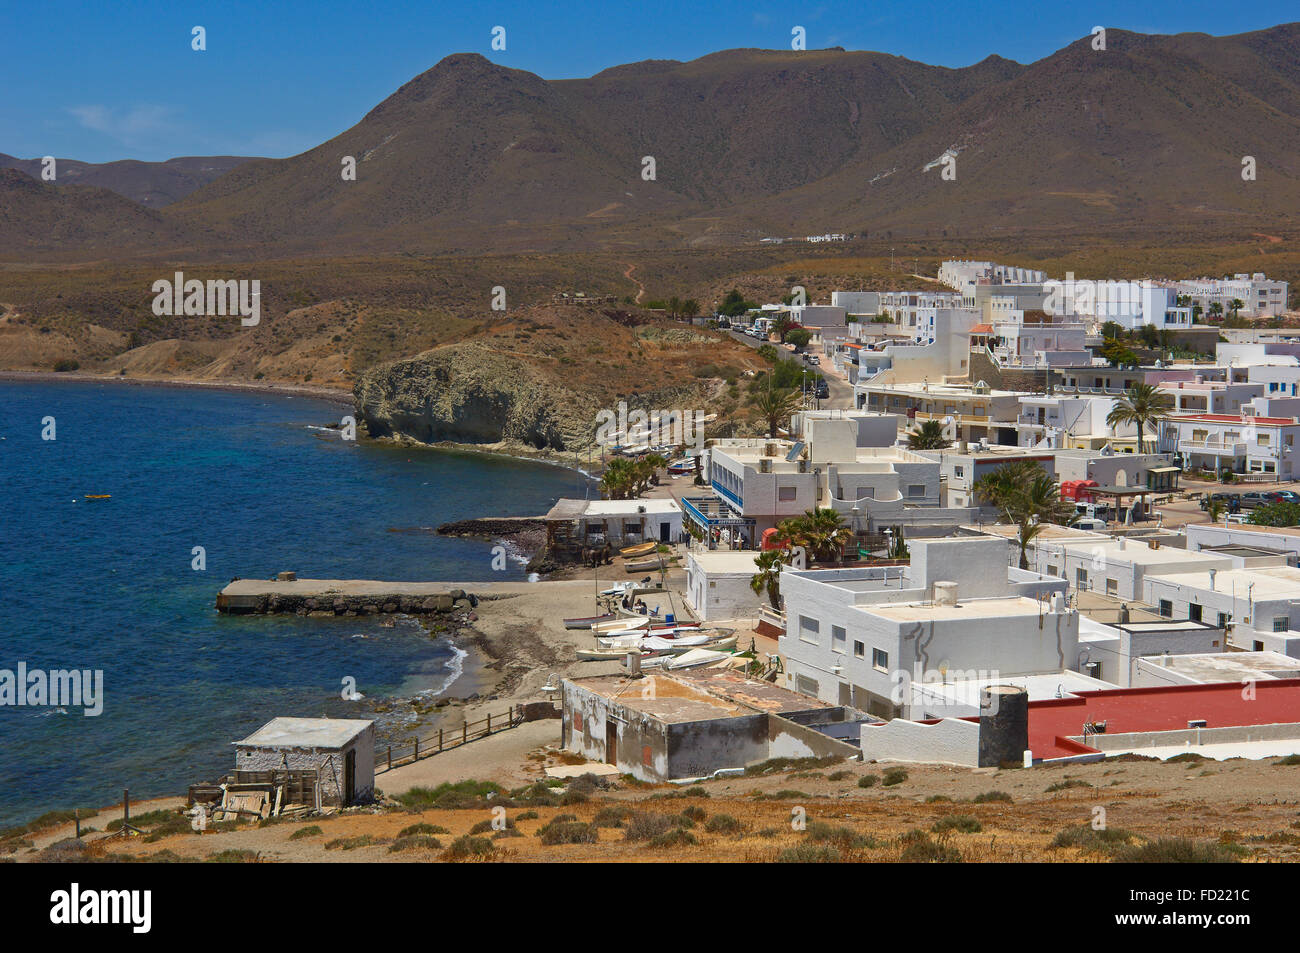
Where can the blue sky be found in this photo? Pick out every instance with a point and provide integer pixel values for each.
(118, 79)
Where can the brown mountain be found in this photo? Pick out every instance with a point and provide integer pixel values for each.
(471, 156)
(153, 184)
(40, 219)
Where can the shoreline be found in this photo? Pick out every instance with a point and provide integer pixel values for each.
(331, 394)
(335, 395)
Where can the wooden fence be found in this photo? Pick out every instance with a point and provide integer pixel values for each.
(446, 739)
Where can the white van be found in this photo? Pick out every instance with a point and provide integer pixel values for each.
(1090, 523)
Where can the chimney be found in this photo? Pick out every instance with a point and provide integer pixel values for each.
(945, 593)
(1213, 573)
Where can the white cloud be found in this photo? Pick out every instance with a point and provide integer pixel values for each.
(138, 125)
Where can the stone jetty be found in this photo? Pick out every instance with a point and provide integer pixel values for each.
(325, 597)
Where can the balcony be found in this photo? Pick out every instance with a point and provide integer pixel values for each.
(1230, 448)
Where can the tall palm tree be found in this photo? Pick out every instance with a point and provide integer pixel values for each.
(1028, 496)
(821, 532)
(928, 436)
(776, 404)
(768, 577)
(1143, 405)
(1236, 305)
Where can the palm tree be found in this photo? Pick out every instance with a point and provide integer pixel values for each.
(620, 479)
(1028, 495)
(776, 404)
(1216, 309)
(1142, 405)
(768, 577)
(928, 436)
(1236, 305)
(821, 532)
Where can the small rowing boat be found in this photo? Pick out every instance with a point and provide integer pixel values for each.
(586, 622)
(646, 565)
(641, 549)
(99, 496)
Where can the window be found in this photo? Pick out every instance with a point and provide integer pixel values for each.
(915, 489)
(859, 650)
(1051, 570)
(786, 494)
(879, 660)
(1081, 578)
(957, 471)
(1166, 608)
(805, 685)
(1112, 587)
(1281, 623)
(1223, 620)
(837, 638)
(809, 630)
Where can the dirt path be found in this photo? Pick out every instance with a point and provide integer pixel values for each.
(640, 288)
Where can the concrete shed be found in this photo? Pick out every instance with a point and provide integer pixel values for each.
(692, 724)
(341, 750)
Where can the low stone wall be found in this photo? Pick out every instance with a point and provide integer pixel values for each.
(328, 604)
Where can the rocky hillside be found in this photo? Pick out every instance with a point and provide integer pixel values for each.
(537, 386)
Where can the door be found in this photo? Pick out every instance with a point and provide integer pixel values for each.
(611, 742)
(665, 531)
(350, 777)
(846, 694)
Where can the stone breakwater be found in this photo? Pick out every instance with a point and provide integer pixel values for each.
(342, 597)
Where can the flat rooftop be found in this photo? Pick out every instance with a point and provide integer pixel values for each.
(630, 507)
(1140, 554)
(705, 695)
(1040, 686)
(1003, 607)
(305, 733)
(1052, 531)
(1258, 582)
(1229, 666)
(726, 561)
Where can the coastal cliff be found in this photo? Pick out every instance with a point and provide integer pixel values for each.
(469, 393)
(538, 387)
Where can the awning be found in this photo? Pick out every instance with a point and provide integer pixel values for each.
(1164, 470)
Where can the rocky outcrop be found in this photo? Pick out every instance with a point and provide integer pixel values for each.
(469, 393)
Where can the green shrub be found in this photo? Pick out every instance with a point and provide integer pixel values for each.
(777, 765)
(568, 832)
(809, 854)
(611, 816)
(644, 826)
(696, 790)
(723, 824)
(845, 838)
(1066, 785)
(483, 827)
(349, 843)
(415, 830)
(527, 816)
(694, 813)
(234, 857)
(868, 780)
(1085, 837)
(451, 795)
(989, 797)
(962, 823)
(312, 830)
(1179, 850)
(469, 848)
(894, 776)
(918, 848)
(67, 364)
(673, 838)
(415, 842)
(839, 775)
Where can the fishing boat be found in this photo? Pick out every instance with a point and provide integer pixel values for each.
(694, 659)
(640, 549)
(611, 655)
(619, 624)
(618, 589)
(586, 622)
(646, 565)
(681, 467)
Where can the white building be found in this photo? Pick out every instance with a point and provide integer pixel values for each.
(1209, 397)
(960, 468)
(717, 584)
(968, 412)
(1131, 304)
(1259, 296)
(1242, 443)
(1260, 604)
(864, 634)
(765, 481)
(1119, 566)
(1111, 652)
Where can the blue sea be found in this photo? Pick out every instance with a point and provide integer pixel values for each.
(262, 485)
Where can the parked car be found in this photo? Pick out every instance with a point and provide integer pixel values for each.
(814, 360)
(1289, 496)
(1089, 522)
(1251, 500)
(823, 390)
(1231, 501)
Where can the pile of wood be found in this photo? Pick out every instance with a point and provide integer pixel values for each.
(259, 794)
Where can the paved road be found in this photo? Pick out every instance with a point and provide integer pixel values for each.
(841, 391)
